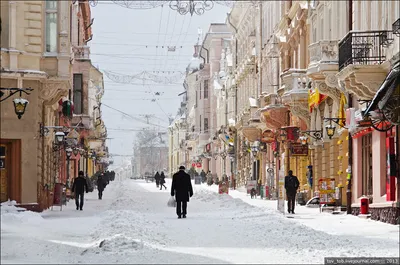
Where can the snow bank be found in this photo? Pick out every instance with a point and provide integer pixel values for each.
(12, 214)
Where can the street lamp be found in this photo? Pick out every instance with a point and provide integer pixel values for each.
(20, 106)
(68, 152)
(75, 151)
(330, 130)
(59, 138)
(19, 103)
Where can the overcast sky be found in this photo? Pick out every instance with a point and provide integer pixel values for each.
(125, 43)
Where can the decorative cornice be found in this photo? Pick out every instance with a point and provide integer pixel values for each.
(52, 91)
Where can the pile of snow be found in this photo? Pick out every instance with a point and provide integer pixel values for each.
(12, 214)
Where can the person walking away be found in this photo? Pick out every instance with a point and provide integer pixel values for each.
(162, 181)
(203, 176)
(291, 186)
(100, 185)
(157, 178)
(182, 189)
(78, 188)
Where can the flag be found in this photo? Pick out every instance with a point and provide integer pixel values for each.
(342, 112)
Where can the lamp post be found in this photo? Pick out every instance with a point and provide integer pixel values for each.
(68, 153)
(59, 138)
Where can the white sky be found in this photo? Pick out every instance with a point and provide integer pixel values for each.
(120, 37)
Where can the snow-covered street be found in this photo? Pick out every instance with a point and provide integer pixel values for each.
(132, 224)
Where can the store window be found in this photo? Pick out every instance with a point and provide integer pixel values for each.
(366, 161)
(51, 26)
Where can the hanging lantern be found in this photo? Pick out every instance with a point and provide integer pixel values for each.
(20, 106)
(67, 108)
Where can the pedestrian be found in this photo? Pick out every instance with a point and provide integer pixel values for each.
(101, 185)
(162, 181)
(203, 176)
(157, 178)
(291, 186)
(78, 188)
(182, 189)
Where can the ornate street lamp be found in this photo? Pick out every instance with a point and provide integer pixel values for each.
(19, 103)
(59, 138)
(20, 106)
(75, 151)
(68, 152)
(330, 130)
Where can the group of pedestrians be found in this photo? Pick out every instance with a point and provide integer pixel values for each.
(80, 186)
(160, 180)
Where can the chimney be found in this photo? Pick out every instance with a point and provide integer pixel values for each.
(196, 50)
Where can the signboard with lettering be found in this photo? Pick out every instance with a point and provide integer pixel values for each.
(281, 195)
(327, 191)
(297, 149)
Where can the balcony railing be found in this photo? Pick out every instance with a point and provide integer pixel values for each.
(81, 52)
(364, 48)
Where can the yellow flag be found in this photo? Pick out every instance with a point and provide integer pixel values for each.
(342, 112)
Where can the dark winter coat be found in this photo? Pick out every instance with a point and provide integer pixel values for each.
(80, 185)
(291, 184)
(101, 184)
(162, 179)
(181, 186)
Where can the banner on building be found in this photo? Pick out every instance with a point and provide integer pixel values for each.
(223, 188)
(391, 170)
(281, 195)
(327, 191)
(315, 98)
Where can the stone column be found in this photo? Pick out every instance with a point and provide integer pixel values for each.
(64, 44)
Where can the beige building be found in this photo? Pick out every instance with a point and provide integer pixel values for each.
(39, 51)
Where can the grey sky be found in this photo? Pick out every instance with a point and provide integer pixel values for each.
(120, 37)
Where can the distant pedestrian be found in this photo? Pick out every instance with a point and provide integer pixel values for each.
(157, 178)
(253, 193)
(78, 188)
(162, 181)
(291, 186)
(182, 190)
(203, 176)
(101, 184)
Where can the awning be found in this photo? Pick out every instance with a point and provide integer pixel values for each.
(386, 90)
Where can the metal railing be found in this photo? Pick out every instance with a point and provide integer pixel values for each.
(364, 48)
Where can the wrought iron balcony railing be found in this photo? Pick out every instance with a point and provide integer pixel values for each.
(364, 47)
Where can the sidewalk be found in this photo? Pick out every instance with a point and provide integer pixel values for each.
(342, 224)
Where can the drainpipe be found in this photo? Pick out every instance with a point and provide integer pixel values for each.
(398, 164)
(349, 169)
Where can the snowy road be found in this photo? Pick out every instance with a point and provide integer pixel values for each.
(132, 224)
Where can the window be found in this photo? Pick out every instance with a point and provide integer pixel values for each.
(205, 124)
(78, 94)
(51, 26)
(200, 124)
(195, 104)
(205, 88)
(366, 164)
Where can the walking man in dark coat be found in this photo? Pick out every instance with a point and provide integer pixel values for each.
(78, 188)
(157, 178)
(291, 186)
(101, 184)
(162, 181)
(182, 189)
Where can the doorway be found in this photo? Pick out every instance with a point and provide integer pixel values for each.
(10, 170)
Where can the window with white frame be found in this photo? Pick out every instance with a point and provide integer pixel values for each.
(51, 26)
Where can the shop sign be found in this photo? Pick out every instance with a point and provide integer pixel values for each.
(268, 136)
(198, 165)
(298, 149)
(327, 191)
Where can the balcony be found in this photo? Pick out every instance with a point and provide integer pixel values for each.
(273, 113)
(294, 91)
(364, 48)
(361, 55)
(81, 52)
(324, 55)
